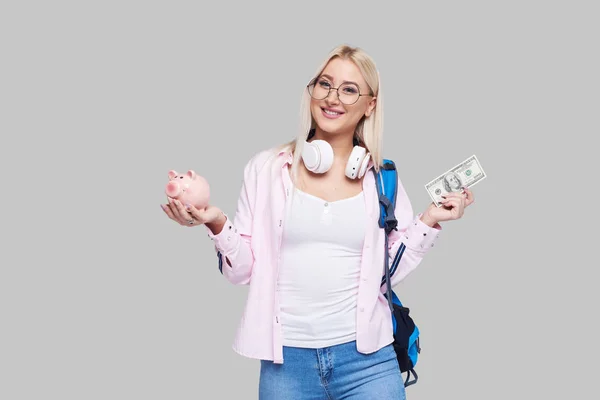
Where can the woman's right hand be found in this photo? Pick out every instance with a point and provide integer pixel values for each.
(211, 216)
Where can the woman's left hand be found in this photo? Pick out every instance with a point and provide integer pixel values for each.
(453, 206)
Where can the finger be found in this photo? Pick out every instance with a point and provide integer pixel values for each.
(470, 197)
(459, 206)
(452, 195)
(180, 217)
(197, 214)
(465, 196)
(174, 209)
(168, 211)
(449, 196)
(453, 204)
(183, 214)
(189, 218)
(449, 203)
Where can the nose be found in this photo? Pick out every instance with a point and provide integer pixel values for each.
(333, 97)
(172, 189)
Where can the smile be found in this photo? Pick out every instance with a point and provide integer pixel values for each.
(330, 113)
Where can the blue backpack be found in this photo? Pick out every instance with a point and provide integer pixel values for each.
(406, 334)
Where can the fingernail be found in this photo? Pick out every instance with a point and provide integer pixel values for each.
(162, 207)
(187, 206)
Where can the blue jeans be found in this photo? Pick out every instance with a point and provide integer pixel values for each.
(332, 373)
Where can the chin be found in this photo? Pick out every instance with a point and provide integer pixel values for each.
(329, 127)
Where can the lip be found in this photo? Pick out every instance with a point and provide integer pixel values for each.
(340, 113)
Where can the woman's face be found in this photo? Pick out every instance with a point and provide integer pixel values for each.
(331, 114)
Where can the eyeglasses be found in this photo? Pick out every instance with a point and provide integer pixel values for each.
(348, 93)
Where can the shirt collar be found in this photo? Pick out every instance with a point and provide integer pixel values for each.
(287, 154)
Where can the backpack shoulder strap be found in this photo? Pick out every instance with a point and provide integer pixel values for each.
(387, 188)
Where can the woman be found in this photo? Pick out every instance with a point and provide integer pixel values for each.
(306, 240)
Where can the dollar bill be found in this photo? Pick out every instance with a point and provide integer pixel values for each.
(468, 173)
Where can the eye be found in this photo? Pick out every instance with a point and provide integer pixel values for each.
(324, 84)
(350, 90)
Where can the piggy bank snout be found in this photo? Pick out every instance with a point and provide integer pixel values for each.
(173, 189)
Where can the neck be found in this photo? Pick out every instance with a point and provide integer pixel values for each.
(342, 144)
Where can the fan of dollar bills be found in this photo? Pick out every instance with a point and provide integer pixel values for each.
(468, 173)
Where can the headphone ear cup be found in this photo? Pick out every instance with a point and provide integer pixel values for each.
(364, 166)
(317, 156)
(326, 152)
(311, 156)
(354, 166)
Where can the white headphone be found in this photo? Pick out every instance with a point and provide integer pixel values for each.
(318, 158)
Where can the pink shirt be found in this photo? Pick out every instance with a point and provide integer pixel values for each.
(249, 248)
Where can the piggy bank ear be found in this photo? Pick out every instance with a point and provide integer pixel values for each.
(172, 174)
(191, 174)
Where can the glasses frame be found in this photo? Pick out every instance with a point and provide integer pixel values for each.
(314, 82)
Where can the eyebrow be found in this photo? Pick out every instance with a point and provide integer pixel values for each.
(331, 79)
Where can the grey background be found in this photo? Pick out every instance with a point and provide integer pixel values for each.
(103, 297)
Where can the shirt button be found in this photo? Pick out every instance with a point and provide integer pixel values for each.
(326, 204)
(362, 309)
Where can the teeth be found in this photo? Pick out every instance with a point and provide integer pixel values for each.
(331, 112)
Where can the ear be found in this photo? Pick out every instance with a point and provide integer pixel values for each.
(172, 174)
(371, 107)
(191, 174)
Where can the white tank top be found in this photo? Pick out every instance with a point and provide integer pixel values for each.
(319, 270)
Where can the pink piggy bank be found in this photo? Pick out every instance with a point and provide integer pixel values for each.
(189, 188)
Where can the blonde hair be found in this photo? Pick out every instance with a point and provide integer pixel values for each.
(369, 131)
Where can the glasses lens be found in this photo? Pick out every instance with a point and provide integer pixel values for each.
(348, 93)
(319, 89)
